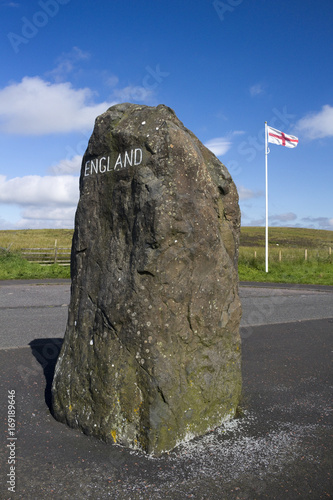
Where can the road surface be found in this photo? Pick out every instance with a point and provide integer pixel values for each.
(35, 310)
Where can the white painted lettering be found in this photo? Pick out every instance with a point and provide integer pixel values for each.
(102, 168)
(118, 162)
(94, 166)
(130, 161)
(105, 164)
(137, 156)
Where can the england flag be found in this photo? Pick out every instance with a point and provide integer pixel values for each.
(280, 138)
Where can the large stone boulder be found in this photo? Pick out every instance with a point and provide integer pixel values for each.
(151, 355)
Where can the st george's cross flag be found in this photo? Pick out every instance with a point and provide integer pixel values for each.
(280, 138)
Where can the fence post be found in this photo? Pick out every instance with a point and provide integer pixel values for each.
(255, 254)
(55, 251)
(280, 255)
(306, 254)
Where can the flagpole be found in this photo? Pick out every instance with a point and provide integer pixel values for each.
(266, 175)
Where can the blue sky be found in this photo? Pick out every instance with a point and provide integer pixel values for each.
(225, 67)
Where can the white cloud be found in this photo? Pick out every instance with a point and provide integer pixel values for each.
(291, 220)
(40, 191)
(39, 213)
(133, 93)
(39, 217)
(246, 194)
(66, 63)
(62, 219)
(67, 167)
(317, 125)
(256, 89)
(37, 107)
(5, 224)
(44, 202)
(112, 81)
(219, 146)
(283, 217)
(321, 222)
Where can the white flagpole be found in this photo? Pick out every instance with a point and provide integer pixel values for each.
(266, 174)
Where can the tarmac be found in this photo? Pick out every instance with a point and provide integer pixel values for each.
(279, 447)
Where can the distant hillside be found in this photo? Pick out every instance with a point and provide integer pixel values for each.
(35, 238)
(286, 237)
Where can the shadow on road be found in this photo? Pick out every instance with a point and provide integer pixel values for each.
(46, 352)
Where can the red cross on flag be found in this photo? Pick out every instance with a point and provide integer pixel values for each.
(282, 139)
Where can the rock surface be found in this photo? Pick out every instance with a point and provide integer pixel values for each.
(151, 355)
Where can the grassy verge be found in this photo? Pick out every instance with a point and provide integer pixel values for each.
(314, 272)
(13, 266)
(286, 265)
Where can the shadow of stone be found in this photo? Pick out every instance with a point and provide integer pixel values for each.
(46, 352)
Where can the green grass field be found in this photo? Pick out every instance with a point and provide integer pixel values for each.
(287, 262)
(32, 238)
(286, 244)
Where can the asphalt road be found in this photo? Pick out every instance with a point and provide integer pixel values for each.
(32, 311)
(35, 310)
(279, 448)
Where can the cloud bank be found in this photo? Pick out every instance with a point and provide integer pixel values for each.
(66, 166)
(247, 194)
(48, 201)
(37, 190)
(37, 107)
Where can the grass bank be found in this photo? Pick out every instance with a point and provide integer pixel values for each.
(314, 272)
(14, 267)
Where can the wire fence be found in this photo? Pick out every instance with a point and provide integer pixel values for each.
(253, 254)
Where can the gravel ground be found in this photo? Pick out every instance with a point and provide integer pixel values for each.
(280, 448)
